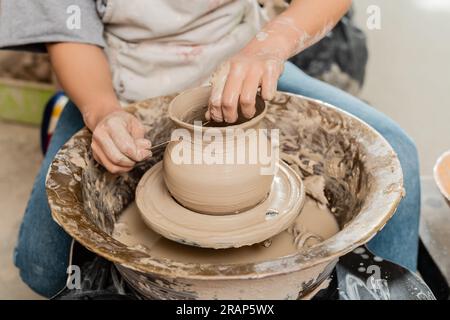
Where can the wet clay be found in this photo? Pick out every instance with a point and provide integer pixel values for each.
(362, 181)
(275, 213)
(198, 114)
(199, 173)
(316, 223)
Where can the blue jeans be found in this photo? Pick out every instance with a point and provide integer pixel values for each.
(42, 251)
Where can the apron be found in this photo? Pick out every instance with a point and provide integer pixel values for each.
(159, 47)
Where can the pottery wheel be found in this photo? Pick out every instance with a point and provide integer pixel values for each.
(275, 214)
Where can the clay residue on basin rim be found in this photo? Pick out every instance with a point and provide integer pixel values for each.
(363, 186)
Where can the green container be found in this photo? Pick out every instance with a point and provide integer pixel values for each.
(24, 101)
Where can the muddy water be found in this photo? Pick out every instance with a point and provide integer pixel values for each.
(315, 223)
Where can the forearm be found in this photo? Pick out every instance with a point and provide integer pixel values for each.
(260, 63)
(300, 26)
(84, 74)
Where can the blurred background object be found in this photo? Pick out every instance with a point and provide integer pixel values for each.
(26, 84)
(25, 66)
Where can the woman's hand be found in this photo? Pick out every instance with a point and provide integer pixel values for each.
(261, 62)
(118, 137)
(118, 142)
(259, 65)
(236, 82)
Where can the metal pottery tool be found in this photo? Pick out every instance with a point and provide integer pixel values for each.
(161, 145)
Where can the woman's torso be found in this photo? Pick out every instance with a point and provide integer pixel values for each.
(159, 47)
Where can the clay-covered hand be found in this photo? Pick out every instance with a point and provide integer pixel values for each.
(260, 63)
(118, 142)
(236, 82)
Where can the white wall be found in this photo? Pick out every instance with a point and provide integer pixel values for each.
(408, 75)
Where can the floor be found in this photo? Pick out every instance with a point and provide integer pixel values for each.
(408, 78)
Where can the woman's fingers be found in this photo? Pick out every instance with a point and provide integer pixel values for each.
(118, 142)
(122, 139)
(208, 115)
(101, 158)
(236, 84)
(218, 81)
(249, 91)
(232, 90)
(270, 79)
(136, 128)
(144, 146)
(114, 155)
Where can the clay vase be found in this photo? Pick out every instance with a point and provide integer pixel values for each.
(203, 182)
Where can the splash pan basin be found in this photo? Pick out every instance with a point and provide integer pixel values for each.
(362, 186)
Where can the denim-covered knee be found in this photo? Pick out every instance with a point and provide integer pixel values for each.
(405, 148)
(398, 240)
(42, 250)
(42, 269)
(39, 277)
